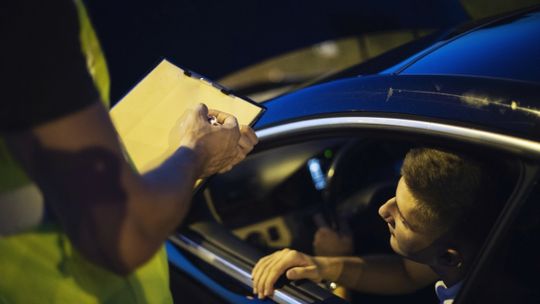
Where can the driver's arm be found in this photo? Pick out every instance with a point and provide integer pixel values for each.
(379, 274)
(112, 215)
(382, 274)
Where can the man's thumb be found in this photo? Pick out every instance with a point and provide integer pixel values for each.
(308, 272)
(202, 110)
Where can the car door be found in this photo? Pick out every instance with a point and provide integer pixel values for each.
(268, 201)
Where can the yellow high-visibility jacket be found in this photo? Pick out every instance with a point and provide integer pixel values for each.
(37, 261)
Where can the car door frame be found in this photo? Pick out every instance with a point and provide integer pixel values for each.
(418, 126)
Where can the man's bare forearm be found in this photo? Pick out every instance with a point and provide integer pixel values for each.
(157, 203)
(113, 215)
(164, 198)
(379, 274)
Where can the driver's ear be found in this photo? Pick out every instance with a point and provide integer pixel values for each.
(450, 258)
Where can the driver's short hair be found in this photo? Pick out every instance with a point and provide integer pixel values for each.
(450, 188)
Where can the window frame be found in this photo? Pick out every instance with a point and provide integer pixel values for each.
(527, 150)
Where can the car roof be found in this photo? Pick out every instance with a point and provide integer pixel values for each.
(442, 84)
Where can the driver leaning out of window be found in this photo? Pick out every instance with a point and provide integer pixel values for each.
(443, 208)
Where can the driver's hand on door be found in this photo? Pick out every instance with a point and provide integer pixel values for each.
(294, 264)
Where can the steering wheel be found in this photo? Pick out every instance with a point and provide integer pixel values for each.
(357, 179)
(334, 181)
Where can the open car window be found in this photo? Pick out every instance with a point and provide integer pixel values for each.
(272, 200)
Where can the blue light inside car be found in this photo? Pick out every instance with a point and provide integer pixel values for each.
(314, 166)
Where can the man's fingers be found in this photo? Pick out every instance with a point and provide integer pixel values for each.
(317, 240)
(266, 273)
(226, 169)
(225, 119)
(261, 276)
(323, 233)
(233, 161)
(273, 271)
(249, 133)
(298, 273)
(202, 110)
(248, 139)
(257, 270)
(230, 122)
(245, 144)
(220, 116)
(268, 269)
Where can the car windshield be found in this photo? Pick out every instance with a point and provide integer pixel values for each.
(292, 70)
(508, 49)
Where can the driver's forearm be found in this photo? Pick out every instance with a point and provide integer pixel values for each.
(380, 274)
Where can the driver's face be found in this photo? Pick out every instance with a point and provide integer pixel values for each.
(408, 235)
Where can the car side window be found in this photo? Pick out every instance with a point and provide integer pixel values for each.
(512, 275)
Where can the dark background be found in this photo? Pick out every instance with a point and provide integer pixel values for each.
(215, 38)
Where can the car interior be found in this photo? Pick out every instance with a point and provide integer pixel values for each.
(277, 197)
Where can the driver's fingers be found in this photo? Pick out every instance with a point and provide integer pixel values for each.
(324, 234)
(256, 273)
(321, 238)
(326, 231)
(263, 274)
(308, 272)
(286, 259)
(269, 276)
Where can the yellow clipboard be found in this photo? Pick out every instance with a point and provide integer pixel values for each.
(147, 118)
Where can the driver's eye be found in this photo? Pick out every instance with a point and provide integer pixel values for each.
(402, 220)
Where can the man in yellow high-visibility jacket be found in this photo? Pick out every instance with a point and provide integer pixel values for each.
(77, 224)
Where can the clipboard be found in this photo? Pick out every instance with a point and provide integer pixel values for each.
(146, 118)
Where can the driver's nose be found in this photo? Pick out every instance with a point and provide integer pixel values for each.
(385, 213)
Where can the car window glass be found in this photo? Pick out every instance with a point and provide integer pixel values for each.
(508, 50)
(512, 275)
(288, 71)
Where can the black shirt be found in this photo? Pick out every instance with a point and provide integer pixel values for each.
(43, 69)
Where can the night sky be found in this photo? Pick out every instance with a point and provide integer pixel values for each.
(215, 38)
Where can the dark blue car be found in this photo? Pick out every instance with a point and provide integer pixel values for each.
(334, 149)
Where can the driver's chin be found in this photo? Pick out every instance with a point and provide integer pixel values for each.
(419, 256)
(397, 249)
(394, 244)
